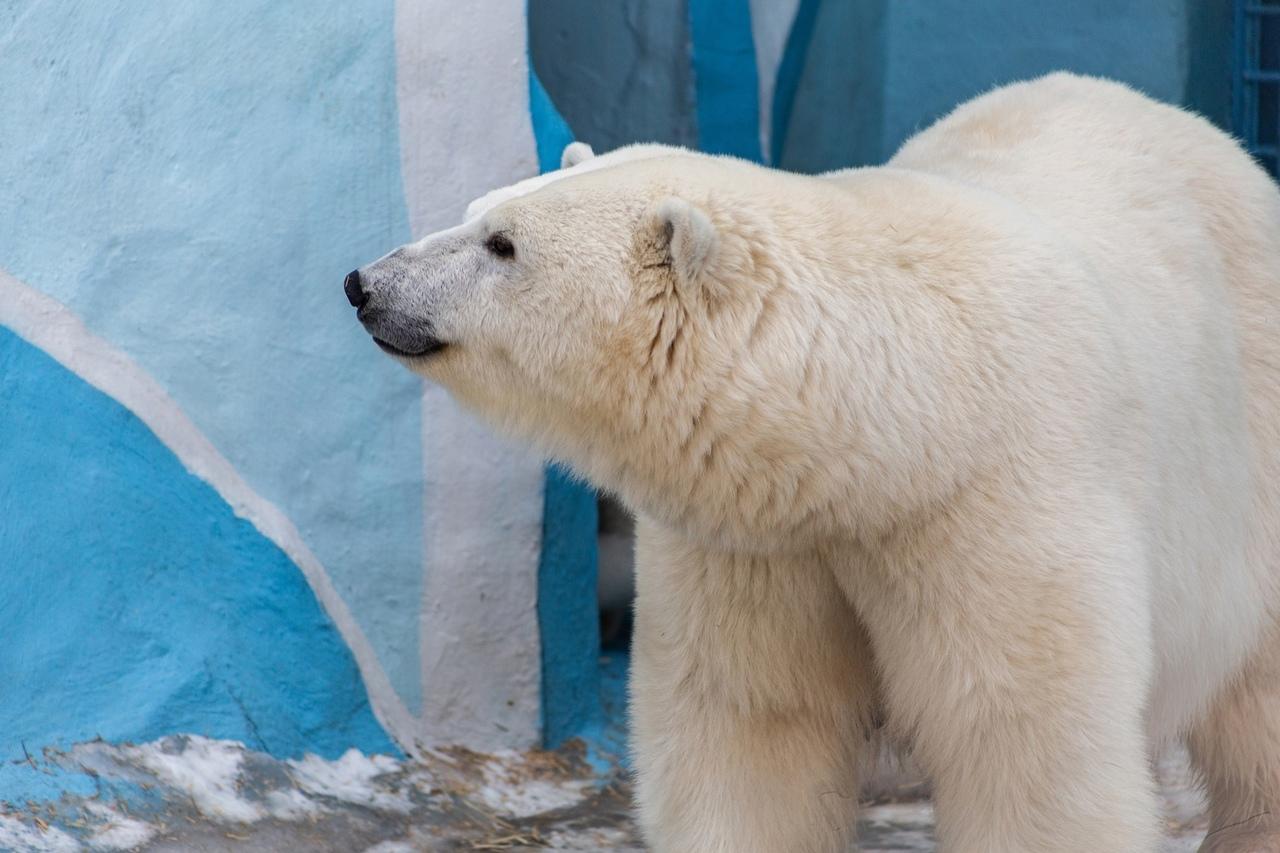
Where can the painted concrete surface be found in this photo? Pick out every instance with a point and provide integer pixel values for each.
(182, 194)
(193, 185)
(676, 71)
(835, 93)
(51, 327)
(618, 72)
(462, 84)
(877, 71)
(568, 615)
(942, 53)
(136, 603)
(725, 77)
(771, 26)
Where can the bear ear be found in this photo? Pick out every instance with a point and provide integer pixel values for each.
(575, 153)
(687, 235)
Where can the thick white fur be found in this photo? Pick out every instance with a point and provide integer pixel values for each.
(982, 445)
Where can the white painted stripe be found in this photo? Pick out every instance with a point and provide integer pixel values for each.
(770, 24)
(54, 328)
(481, 647)
(462, 82)
(462, 85)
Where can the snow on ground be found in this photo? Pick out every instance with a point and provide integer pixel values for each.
(353, 779)
(189, 794)
(391, 847)
(17, 836)
(207, 771)
(114, 830)
(509, 788)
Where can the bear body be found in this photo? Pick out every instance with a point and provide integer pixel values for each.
(979, 450)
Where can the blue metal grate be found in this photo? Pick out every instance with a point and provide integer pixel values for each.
(1256, 89)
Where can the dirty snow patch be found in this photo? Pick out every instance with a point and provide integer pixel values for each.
(291, 804)
(208, 771)
(508, 789)
(594, 840)
(352, 778)
(392, 847)
(116, 831)
(16, 836)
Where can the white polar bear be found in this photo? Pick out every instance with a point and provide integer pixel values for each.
(982, 447)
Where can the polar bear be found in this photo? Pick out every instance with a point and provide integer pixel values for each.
(979, 449)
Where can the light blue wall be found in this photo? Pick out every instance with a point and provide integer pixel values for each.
(136, 604)
(193, 179)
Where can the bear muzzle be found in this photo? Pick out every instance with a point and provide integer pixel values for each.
(395, 333)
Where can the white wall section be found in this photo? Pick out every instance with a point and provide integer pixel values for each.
(770, 24)
(463, 91)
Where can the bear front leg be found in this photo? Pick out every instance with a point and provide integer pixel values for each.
(1015, 655)
(751, 692)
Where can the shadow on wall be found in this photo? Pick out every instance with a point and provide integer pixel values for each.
(616, 582)
(617, 72)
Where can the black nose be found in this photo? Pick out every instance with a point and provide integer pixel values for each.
(355, 293)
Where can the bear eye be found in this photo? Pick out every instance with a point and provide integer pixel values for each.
(500, 246)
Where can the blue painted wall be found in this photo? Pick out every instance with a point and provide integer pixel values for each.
(795, 56)
(194, 181)
(858, 76)
(568, 621)
(724, 74)
(136, 604)
(941, 52)
(876, 71)
(618, 71)
(835, 92)
(568, 618)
